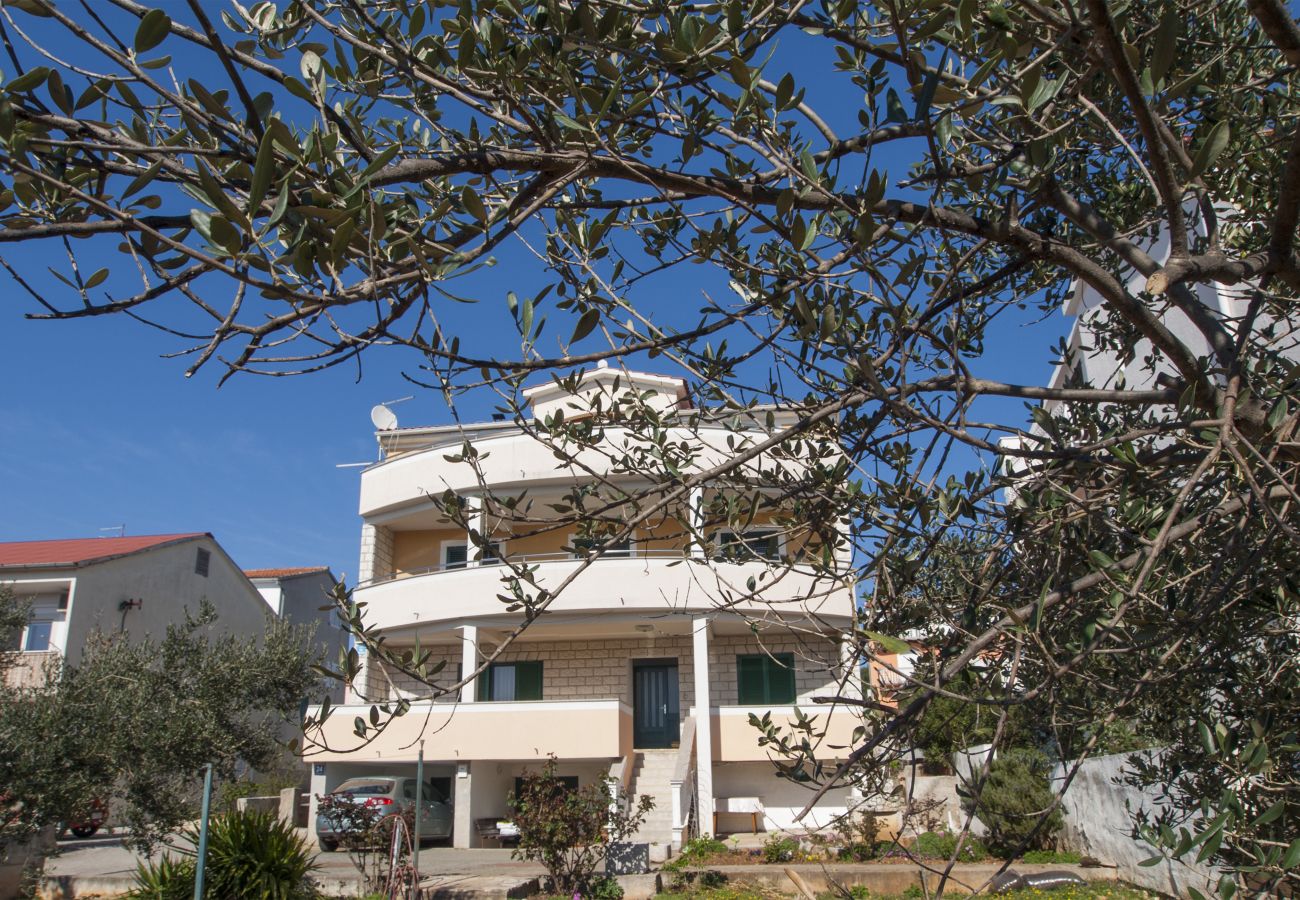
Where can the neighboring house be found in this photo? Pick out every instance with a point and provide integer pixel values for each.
(644, 671)
(139, 585)
(298, 595)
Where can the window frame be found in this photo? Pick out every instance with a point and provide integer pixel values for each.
(202, 561)
(743, 537)
(27, 636)
(444, 566)
(485, 683)
(770, 664)
(612, 553)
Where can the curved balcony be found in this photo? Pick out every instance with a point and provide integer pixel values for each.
(516, 459)
(638, 580)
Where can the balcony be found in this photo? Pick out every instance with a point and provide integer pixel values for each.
(569, 729)
(735, 740)
(511, 458)
(640, 579)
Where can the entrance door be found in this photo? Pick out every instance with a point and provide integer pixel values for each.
(655, 708)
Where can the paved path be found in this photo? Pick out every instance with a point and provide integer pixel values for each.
(102, 863)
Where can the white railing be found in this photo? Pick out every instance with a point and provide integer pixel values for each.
(683, 785)
(529, 559)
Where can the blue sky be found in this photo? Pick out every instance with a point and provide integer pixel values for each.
(98, 430)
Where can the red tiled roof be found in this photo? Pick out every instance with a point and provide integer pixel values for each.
(284, 573)
(17, 554)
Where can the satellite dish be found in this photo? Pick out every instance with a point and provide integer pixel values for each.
(383, 418)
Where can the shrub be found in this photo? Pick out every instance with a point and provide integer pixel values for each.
(566, 830)
(170, 878)
(605, 889)
(779, 848)
(258, 856)
(250, 855)
(1017, 794)
(943, 844)
(859, 836)
(365, 832)
(696, 852)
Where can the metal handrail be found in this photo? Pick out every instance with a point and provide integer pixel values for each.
(679, 553)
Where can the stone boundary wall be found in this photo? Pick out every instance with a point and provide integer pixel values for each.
(1099, 809)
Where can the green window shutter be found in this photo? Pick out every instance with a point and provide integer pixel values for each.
(780, 679)
(528, 680)
(484, 684)
(749, 679)
(763, 679)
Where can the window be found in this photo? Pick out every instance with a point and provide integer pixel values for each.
(201, 561)
(511, 681)
(583, 545)
(747, 546)
(765, 679)
(37, 638)
(456, 556)
(567, 783)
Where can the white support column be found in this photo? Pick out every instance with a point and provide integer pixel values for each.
(478, 522)
(359, 690)
(850, 664)
(696, 502)
(468, 661)
(463, 835)
(703, 728)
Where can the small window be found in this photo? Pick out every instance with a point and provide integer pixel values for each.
(565, 783)
(456, 556)
(408, 790)
(63, 602)
(764, 679)
(511, 681)
(201, 562)
(584, 545)
(37, 639)
(748, 546)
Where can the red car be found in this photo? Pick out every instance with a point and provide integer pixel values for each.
(92, 822)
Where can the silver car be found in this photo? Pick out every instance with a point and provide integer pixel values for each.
(393, 794)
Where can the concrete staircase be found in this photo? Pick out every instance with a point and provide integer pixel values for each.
(652, 776)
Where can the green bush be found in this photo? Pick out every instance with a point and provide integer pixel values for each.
(1017, 794)
(779, 849)
(170, 878)
(696, 852)
(251, 855)
(568, 830)
(942, 845)
(258, 856)
(605, 889)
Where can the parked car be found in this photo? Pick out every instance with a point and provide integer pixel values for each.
(93, 819)
(388, 794)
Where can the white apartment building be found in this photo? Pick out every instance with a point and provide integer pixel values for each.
(644, 670)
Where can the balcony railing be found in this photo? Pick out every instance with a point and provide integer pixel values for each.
(528, 559)
(674, 553)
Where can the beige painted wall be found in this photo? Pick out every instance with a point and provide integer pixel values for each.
(483, 731)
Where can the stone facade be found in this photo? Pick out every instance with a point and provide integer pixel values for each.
(602, 669)
(376, 553)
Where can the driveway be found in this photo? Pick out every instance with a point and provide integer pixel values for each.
(102, 863)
